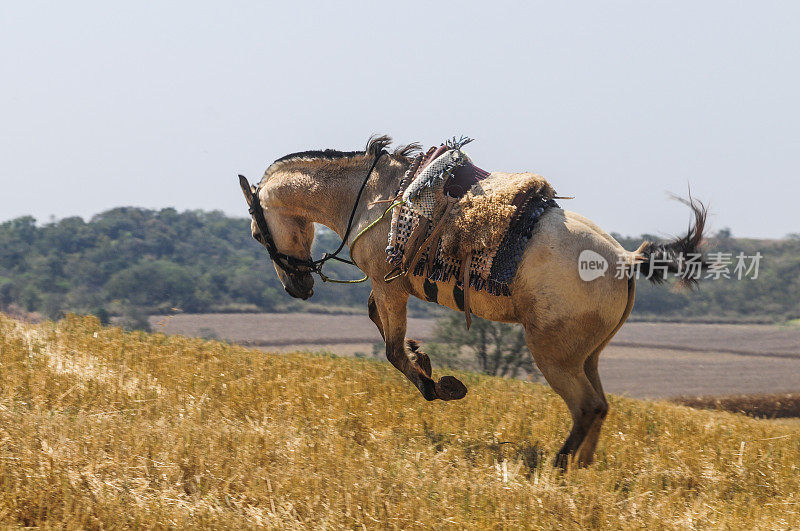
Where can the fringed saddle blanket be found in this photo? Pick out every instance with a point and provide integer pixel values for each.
(454, 215)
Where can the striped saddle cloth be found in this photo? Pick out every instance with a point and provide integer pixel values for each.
(434, 183)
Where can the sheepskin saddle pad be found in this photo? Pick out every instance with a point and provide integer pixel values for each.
(454, 216)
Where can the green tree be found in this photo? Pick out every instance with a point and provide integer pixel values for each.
(154, 284)
(494, 348)
(206, 261)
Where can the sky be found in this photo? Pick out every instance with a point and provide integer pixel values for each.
(161, 104)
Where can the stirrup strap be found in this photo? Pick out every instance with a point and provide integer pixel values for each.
(434, 237)
(414, 243)
(465, 265)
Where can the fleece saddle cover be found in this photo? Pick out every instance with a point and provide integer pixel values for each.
(490, 220)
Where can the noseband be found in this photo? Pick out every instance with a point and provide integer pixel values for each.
(291, 264)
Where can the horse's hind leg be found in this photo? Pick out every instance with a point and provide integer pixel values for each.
(563, 368)
(586, 451)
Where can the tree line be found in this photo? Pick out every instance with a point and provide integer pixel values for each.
(131, 262)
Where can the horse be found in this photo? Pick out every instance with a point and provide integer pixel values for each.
(567, 321)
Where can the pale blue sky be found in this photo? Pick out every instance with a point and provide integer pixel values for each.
(159, 104)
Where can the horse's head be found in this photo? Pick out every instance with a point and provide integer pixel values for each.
(293, 237)
(288, 234)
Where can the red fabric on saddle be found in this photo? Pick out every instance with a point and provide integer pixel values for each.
(463, 178)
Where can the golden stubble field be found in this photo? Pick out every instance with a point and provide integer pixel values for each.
(100, 428)
(644, 360)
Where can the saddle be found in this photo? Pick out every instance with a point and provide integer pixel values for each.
(462, 177)
(455, 219)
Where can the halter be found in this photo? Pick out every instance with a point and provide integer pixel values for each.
(292, 264)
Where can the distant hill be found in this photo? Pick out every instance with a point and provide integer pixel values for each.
(132, 262)
(105, 429)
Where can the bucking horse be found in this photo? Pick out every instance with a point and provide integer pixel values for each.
(568, 318)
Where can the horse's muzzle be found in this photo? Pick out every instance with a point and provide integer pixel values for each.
(299, 294)
(300, 286)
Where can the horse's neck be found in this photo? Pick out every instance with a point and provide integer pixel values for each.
(329, 199)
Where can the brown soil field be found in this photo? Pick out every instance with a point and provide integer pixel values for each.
(765, 340)
(761, 406)
(663, 373)
(646, 360)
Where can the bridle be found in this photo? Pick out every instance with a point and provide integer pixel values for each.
(291, 264)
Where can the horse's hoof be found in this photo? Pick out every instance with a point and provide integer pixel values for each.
(450, 388)
(562, 462)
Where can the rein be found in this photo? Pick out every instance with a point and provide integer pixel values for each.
(295, 265)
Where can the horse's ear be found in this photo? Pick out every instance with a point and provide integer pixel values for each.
(247, 190)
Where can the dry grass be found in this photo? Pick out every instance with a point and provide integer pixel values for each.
(99, 428)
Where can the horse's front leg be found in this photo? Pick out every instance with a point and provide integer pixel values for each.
(415, 353)
(374, 314)
(388, 310)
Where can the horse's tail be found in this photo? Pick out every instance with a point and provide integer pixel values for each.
(680, 257)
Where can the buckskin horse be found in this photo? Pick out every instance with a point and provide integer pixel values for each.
(567, 321)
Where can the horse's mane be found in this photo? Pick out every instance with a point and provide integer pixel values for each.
(374, 146)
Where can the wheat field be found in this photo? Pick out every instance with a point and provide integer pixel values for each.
(105, 429)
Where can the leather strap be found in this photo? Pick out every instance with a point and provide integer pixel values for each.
(440, 215)
(415, 240)
(465, 265)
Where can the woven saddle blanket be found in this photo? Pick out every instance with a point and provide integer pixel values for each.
(454, 215)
